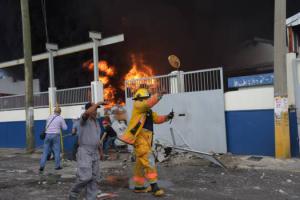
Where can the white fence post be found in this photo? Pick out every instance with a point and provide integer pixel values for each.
(52, 98)
(177, 82)
(97, 91)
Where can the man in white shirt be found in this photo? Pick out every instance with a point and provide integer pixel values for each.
(55, 123)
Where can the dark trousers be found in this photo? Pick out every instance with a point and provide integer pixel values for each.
(75, 148)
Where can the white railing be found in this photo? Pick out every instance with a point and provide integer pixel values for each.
(203, 80)
(178, 81)
(40, 99)
(73, 96)
(70, 96)
(154, 84)
(12, 102)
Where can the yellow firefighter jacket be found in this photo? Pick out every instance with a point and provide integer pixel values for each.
(138, 118)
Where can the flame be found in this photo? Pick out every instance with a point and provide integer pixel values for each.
(105, 73)
(109, 95)
(104, 79)
(103, 66)
(105, 70)
(139, 70)
(110, 71)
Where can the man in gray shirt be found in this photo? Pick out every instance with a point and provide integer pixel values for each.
(88, 171)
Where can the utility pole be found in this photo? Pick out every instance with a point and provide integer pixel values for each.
(96, 85)
(28, 76)
(51, 48)
(281, 114)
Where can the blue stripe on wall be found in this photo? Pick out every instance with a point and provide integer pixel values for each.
(13, 135)
(252, 132)
(248, 133)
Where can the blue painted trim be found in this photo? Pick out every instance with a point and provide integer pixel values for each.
(252, 80)
(13, 135)
(251, 132)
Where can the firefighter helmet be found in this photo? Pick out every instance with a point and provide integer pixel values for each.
(141, 93)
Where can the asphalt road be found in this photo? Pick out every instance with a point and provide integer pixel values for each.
(194, 179)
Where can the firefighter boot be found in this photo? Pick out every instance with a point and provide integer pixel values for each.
(143, 190)
(156, 190)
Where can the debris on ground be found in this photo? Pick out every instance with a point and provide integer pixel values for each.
(183, 176)
(282, 192)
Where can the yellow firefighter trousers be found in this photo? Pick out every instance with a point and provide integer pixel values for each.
(145, 168)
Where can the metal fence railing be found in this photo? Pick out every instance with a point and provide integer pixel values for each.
(177, 82)
(154, 84)
(40, 99)
(70, 96)
(203, 80)
(12, 102)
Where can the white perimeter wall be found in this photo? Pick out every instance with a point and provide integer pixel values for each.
(250, 99)
(243, 99)
(68, 112)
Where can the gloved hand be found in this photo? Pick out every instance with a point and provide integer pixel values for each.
(170, 115)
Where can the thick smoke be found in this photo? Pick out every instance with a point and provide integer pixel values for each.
(202, 33)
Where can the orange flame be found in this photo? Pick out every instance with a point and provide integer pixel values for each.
(105, 73)
(104, 79)
(102, 66)
(139, 70)
(110, 71)
(109, 95)
(105, 70)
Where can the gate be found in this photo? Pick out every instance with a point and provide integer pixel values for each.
(197, 99)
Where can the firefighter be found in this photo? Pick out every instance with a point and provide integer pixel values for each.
(139, 133)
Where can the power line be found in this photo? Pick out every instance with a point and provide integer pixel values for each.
(43, 2)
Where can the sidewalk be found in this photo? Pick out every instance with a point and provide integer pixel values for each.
(261, 163)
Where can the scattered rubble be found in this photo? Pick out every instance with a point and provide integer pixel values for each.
(282, 192)
(182, 175)
(289, 180)
(262, 176)
(257, 188)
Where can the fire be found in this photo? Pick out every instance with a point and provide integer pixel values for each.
(110, 71)
(109, 95)
(109, 92)
(105, 73)
(104, 79)
(105, 70)
(139, 70)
